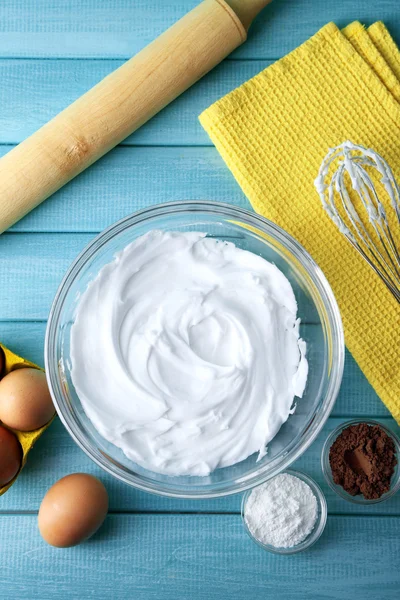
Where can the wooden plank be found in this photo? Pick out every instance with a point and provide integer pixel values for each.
(56, 455)
(129, 179)
(152, 556)
(120, 28)
(31, 269)
(33, 91)
(356, 398)
(205, 557)
(41, 261)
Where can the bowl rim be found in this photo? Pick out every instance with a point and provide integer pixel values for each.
(327, 471)
(226, 211)
(319, 525)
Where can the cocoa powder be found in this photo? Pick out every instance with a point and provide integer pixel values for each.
(362, 459)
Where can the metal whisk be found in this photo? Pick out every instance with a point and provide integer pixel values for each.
(349, 195)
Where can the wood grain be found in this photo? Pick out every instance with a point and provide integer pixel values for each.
(207, 557)
(120, 28)
(56, 455)
(31, 270)
(118, 105)
(129, 179)
(152, 556)
(356, 397)
(41, 260)
(34, 91)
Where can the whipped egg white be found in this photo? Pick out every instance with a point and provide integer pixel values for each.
(186, 354)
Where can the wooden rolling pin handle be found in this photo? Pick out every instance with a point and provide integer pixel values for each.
(120, 103)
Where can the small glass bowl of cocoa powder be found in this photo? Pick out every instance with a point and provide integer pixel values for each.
(360, 461)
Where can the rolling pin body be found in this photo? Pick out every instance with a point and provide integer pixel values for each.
(116, 107)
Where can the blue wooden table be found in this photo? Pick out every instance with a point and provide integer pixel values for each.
(51, 51)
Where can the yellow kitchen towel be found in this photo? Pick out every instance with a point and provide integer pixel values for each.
(386, 46)
(274, 131)
(365, 46)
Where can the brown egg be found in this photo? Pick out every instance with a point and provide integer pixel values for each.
(10, 456)
(25, 401)
(72, 510)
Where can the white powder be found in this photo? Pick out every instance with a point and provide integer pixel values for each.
(282, 512)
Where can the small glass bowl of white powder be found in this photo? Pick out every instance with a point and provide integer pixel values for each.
(285, 515)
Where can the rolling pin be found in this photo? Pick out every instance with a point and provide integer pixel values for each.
(120, 104)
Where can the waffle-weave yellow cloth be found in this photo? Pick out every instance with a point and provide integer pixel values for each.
(273, 133)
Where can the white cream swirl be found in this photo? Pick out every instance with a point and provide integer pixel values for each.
(186, 354)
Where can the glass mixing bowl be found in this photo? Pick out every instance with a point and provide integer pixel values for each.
(321, 328)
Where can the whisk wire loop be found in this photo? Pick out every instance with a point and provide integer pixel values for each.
(359, 211)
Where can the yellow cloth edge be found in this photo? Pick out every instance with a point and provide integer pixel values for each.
(214, 118)
(363, 43)
(386, 45)
(327, 35)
